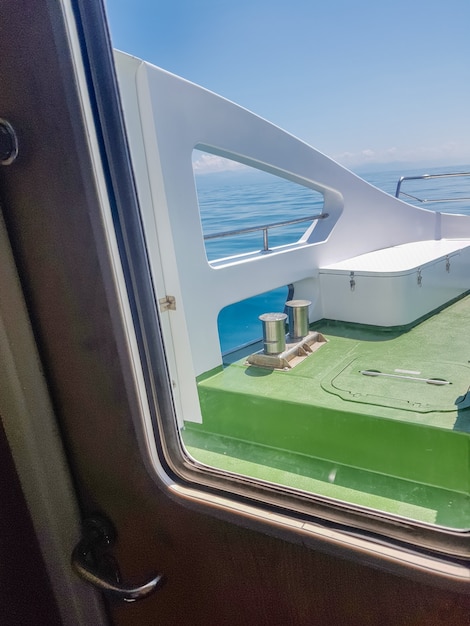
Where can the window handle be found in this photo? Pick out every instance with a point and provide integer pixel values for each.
(92, 562)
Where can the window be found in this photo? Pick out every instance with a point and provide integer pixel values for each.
(357, 418)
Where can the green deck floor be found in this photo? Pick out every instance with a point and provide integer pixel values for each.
(394, 443)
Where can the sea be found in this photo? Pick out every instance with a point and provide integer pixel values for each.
(244, 198)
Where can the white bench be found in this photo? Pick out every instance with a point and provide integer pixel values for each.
(397, 285)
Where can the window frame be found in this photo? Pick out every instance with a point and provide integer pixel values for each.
(430, 554)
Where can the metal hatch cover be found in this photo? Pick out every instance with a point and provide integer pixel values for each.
(419, 386)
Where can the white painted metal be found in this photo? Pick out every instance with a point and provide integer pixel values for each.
(167, 117)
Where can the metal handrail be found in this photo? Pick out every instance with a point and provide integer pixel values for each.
(265, 228)
(428, 176)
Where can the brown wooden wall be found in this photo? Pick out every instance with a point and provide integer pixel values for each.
(217, 573)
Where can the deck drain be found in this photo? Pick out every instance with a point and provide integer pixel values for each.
(429, 381)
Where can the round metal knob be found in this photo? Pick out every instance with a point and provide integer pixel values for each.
(8, 143)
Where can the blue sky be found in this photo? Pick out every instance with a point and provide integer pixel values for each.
(364, 81)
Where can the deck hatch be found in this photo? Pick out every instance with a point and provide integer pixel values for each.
(422, 386)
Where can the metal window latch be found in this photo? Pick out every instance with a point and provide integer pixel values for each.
(92, 562)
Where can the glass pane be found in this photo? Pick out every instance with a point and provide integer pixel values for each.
(367, 405)
(376, 414)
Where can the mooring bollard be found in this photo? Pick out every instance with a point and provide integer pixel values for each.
(274, 332)
(298, 318)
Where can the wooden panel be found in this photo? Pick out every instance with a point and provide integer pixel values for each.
(25, 593)
(217, 572)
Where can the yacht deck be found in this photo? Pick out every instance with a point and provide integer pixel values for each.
(375, 417)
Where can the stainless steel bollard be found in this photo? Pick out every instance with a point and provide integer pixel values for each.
(298, 318)
(274, 332)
